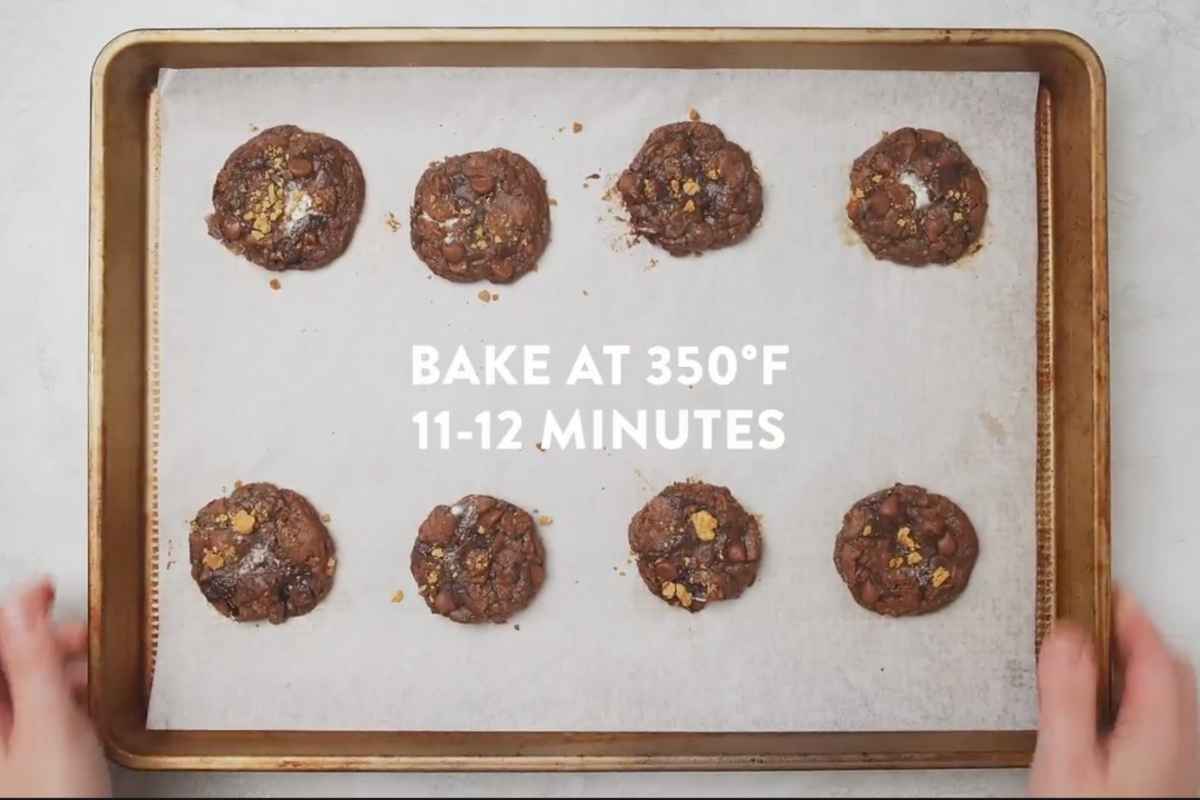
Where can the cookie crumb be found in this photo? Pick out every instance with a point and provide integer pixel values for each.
(652, 264)
(517, 627)
(595, 176)
(693, 115)
(485, 295)
(392, 222)
(275, 284)
(495, 296)
(398, 597)
(552, 201)
(253, 128)
(576, 127)
(326, 518)
(545, 520)
(585, 293)
(539, 446)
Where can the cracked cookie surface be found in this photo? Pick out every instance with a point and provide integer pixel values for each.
(689, 189)
(288, 199)
(904, 551)
(916, 199)
(261, 553)
(695, 544)
(481, 216)
(478, 560)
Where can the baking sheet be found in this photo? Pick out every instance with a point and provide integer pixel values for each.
(925, 376)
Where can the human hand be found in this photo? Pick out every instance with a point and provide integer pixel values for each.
(1152, 749)
(47, 744)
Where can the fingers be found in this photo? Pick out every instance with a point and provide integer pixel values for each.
(72, 639)
(1067, 682)
(31, 657)
(1153, 684)
(1136, 634)
(5, 714)
(1187, 703)
(77, 680)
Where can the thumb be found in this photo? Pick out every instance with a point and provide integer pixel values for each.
(1067, 682)
(31, 659)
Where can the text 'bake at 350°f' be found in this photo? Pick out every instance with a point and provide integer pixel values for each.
(576, 428)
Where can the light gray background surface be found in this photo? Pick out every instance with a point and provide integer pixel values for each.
(1153, 61)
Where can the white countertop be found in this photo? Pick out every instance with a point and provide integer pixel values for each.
(1151, 51)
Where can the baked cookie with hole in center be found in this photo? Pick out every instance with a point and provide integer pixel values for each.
(916, 199)
(288, 199)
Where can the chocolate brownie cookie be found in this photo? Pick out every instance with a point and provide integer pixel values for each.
(478, 560)
(905, 551)
(916, 199)
(288, 199)
(261, 553)
(481, 216)
(695, 544)
(689, 190)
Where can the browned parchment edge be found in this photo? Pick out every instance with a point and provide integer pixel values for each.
(122, 595)
(154, 397)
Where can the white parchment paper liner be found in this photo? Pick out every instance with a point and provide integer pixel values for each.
(924, 376)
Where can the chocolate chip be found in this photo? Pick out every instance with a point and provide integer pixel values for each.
(664, 570)
(300, 167)
(878, 204)
(482, 184)
(947, 546)
(231, 229)
(627, 184)
(444, 602)
(890, 506)
(735, 552)
(869, 593)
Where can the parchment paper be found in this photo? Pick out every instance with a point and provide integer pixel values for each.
(923, 376)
